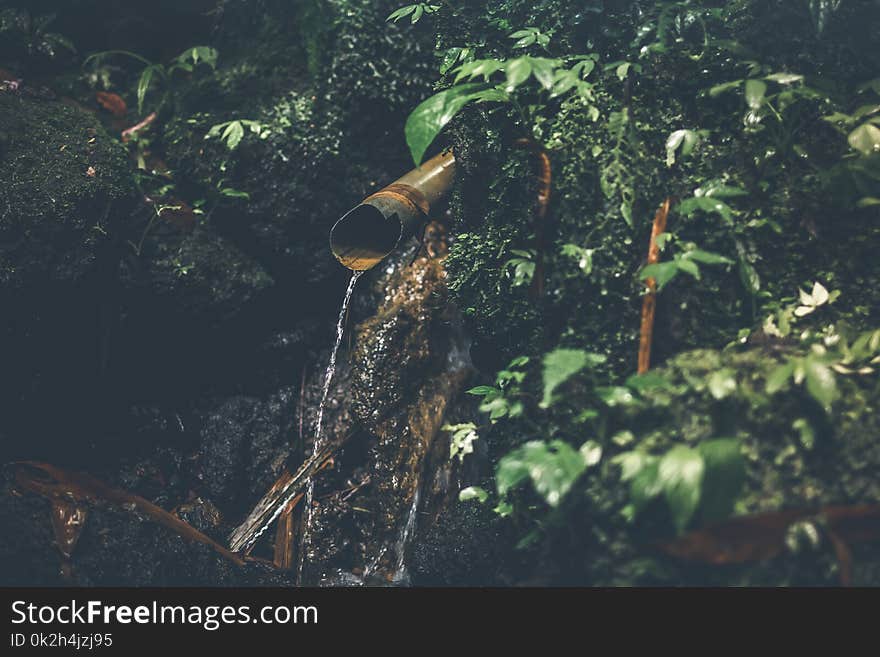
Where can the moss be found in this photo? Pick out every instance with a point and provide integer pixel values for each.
(67, 190)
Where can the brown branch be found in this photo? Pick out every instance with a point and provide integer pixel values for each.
(285, 536)
(649, 304)
(57, 484)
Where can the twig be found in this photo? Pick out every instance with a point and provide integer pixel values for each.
(649, 304)
(55, 483)
(286, 487)
(285, 536)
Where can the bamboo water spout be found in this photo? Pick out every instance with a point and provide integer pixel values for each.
(364, 236)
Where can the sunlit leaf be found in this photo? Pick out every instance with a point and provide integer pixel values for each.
(680, 475)
(560, 365)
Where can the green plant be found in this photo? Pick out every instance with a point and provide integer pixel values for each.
(186, 61)
(529, 36)
(232, 132)
(415, 12)
(707, 478)
(618, 174)
(523, 266)
(553, 467)
(683, 141)
(23, 33)
(817, 369)
(504, 399)
(555, 78)
(687, 260)
(462, 441)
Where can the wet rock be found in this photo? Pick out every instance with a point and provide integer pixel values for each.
(407, 368)
(245, 442)
(468, 545)
(201, 514)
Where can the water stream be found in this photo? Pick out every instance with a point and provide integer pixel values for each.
(319, 442)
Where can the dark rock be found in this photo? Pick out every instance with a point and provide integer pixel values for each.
(245, 443)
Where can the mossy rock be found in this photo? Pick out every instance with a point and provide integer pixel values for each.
(67, 191)
(709, 395)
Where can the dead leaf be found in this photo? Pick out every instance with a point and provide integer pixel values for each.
(66, 486)
(67, 520)
(111, 102)
(90, 172)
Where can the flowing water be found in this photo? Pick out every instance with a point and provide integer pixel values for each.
(271, 505)
(319, 442)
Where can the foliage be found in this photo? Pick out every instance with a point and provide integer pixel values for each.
(503, 399)
(562, 364)
(415, 12)
(712, 474)
(186, 62)
(232, 132)
(555, 78)
(23, 34)
(687, 260)
(462, 441)
(552, 468)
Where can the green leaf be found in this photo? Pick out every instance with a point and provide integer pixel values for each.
(821, 382)
(688, 266)
(560, 365)
(865, 139)
(755, 92)
(707, 204)
(233, 134)
(784, 78)
(707, 257)
(542, 69)
(473, 493)
(686, 139)
(645, 485)
(591, 451)
(199, 54)
(648, 381)
(661, 272)
(401, 13)
(428, 119)
(777, 379)
(479, 67)
(462, 439)
(724, 477)
(483, 391)
(553, 468)
(615, 395)
(680, 475)
(143, 86)
(230, 192)
(518, 71)
(721, 383)
(719, 89)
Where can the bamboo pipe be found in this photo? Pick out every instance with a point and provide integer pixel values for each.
(365, 235)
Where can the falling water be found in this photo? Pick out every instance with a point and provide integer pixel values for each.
(271, 505)
(400, 573)
(319, 443)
